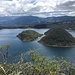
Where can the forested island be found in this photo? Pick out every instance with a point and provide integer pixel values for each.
(28, 35)
(58, 37)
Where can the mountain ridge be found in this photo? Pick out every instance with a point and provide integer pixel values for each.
(32, 20)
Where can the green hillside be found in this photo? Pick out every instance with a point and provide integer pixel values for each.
(29, 35)
(58, 37)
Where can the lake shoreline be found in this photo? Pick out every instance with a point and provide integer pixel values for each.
(56, 45)
(25, 27)
(22, 27)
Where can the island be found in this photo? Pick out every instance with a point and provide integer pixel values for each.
(58, 37)
(28, 35)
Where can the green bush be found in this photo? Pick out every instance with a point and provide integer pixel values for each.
(39, 65)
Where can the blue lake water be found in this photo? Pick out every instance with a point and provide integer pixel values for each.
(8, 36)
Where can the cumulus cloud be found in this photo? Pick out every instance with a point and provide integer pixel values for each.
(42, 8)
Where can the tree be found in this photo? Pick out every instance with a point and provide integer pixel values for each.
(5, 53)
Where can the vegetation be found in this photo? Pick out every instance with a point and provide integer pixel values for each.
(64, 24)
(58, 37)
(39, 65)
(29, 35)
(4, 50)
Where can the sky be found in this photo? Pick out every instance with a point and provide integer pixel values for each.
(41, 8)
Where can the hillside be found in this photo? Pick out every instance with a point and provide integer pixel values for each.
(58, 37)
(19, 20)
(32, 20)
(29, 35)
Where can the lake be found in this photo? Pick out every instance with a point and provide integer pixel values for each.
(8, 36)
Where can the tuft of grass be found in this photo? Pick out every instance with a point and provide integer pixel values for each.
(2, 68)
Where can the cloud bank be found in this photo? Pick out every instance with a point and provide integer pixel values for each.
(42, 8)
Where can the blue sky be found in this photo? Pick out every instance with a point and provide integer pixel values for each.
(42, 8)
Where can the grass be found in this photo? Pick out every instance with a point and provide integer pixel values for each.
(38, 65)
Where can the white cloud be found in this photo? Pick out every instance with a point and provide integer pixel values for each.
(37, 7)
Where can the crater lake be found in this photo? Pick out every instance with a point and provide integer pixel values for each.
(8, 36)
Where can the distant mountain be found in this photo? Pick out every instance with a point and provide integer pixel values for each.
(6, 20)
(32, 20)
(60, 19)
(26, 20)
(19, 20)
